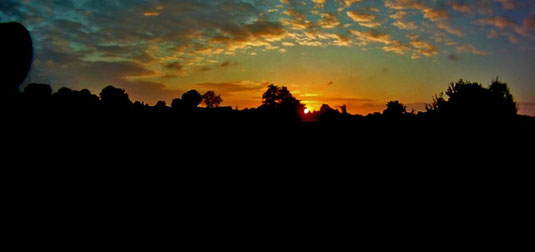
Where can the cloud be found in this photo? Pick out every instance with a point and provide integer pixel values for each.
(174, 66)
(507, 25)
(424, 48)
(454, 57)
(151, 13)
(372, 36)
(348, 3)
(509, 4)
(472, 49)
(363, 19)
(204, 69)
(397, 47)
(229, 63)
(245, 93)
(405, 25)
(147, 91)
(464, 8)
(329, 20)
(234, 87)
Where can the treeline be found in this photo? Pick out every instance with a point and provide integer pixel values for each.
(462, 100)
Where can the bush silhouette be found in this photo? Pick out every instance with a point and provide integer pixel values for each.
(394, 109)
(69, 100)
(17, 53)
(177, 104)
(191, 99)
(37, 93)
(115, 98)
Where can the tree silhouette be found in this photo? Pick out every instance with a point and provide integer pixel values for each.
(502, 100)
(394, 109)
(115, 98)
(470, 100)
(276, 97)
(176, 103)
(211, 100)
(280, 101)
(17, 53)
(160, 104)
(69, 100)
(327, 113)
(191, 99)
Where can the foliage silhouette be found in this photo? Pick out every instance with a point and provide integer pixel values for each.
(191, 99)
(211, 100)
(471, 101)
(177, 104)
(279, 104)
(394, 110)
(17, 54)
(115, 98)
(37, 95)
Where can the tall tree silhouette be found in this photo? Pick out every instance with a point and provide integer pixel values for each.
(280, 100)
(191, 99)
(17, 53)
(211, 100)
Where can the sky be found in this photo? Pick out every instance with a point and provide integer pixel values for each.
(362, 53)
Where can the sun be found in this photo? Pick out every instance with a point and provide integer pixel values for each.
(306, 111)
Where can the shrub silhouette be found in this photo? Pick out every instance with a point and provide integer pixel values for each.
(115, 98)
(17, 53)
(176, 103)
(191, 99)
(394, 109)
(211, 100)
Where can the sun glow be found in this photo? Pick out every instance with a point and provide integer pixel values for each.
(306, 111)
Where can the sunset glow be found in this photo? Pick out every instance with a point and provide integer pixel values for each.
(360, 53)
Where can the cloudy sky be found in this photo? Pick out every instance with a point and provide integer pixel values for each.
(362, 53)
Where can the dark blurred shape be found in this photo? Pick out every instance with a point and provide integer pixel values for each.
(502, 99)
(328, 114)
(191, 99)
(37, 93)
(277, 97)
(470, 100)
(394, 110)
(211, 100)
(16, 53)
(176, 103)
(281, 103)
(74, 102)
(115, 98)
